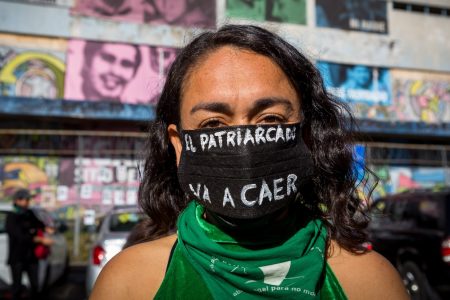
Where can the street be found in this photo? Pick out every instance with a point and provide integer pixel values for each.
(72, 288)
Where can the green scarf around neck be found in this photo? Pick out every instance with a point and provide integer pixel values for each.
(291, 270)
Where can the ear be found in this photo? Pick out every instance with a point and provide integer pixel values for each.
(175, 140)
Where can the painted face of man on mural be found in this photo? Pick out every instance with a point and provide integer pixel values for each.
(108, 69)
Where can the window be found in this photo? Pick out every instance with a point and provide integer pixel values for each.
(123, 222)
(424, 9)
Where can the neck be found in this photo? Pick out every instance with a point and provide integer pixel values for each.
(272, 229)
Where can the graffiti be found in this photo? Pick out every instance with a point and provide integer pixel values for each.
(400, 179)
(116, 72)
(420, 100)
(413, 100)
(192, 13)
(282, 11)
(31, 74)
(62, 182)
(414, 96)
(33, 173)
(101, 181)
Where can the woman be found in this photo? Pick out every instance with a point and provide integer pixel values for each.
(252, 157)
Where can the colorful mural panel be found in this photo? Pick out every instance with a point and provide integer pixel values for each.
(399, 179)
(416, 97)
(190, 13)
(283, 11)
(116, 72)
(62, 182)
(31, 73)
(421, 96)
(367, 15)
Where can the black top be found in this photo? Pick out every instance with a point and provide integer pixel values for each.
(22, 227)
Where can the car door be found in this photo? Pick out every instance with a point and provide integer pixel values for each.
(56, 261)
(5, 277)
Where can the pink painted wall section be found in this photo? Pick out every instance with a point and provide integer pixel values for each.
(123, 73)
(191, 13)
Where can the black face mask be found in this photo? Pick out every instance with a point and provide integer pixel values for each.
(244, 172)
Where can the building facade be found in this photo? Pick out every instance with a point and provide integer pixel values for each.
(79, 81)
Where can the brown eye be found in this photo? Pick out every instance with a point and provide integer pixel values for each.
(211, 123)
(273, 119)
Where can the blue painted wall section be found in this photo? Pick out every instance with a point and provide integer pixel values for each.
(75, 109)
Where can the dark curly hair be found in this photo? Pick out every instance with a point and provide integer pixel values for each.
(327, 131)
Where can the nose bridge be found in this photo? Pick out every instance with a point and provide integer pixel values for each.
(241, 114)
(116, 66)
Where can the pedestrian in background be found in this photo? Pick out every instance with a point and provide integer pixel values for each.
(22, 227)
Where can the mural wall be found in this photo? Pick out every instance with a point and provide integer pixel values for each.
(60, 182)
(416, 97)
(390, 95)
(133, 74)
(31, 73)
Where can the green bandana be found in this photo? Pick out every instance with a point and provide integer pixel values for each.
(291, 270)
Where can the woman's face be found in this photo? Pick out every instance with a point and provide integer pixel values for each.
(171, 9)
(235, 87)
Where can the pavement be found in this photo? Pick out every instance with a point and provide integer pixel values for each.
(71, 288)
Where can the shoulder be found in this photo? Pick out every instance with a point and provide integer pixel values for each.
(139, 269)
(365, 276)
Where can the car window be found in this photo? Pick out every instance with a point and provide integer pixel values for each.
(100, 223)
(3, 215)
(124, 221)
(430, 213)
(403, 212)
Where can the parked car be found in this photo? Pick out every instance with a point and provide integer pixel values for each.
(412, 230)
(111, 236)
(50, 269)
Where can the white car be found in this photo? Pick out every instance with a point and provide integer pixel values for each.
(50, 269)
(111, 236)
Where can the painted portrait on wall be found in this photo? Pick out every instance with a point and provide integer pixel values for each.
(366, 15)
(357, 83)
(281, 11)
(189, 13)
(123, 73)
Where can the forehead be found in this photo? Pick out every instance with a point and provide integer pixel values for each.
(125, 51)
(238, 76)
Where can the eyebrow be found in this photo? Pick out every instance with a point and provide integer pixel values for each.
(264, 103)
(259, 105)
(219, 107)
